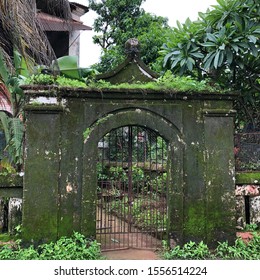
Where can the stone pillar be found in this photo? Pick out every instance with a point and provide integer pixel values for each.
(41, 179)
(219, 176)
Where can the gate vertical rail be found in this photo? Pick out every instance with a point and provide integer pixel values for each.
(131, 206)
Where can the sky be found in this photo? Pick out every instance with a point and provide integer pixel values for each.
(172, 9)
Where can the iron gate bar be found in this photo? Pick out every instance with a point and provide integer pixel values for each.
(117, 228)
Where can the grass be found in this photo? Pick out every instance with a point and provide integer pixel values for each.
(167, 83)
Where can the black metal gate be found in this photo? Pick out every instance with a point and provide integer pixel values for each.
(132, 189)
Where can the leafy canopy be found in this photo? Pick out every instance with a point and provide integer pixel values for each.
(223, 45)
(118, 21)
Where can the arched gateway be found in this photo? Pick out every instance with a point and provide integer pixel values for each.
(62, 140)
(138, 214)
(83, 144)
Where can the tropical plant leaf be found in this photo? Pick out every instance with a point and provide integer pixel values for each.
(208, 61)
(190, 63)
(197, 55)
(208, 44)
(216, 59)
(15, 143)
(253, 49)
(229, 56)
(68, 66)
(5, 123)
(212, 37)
(166, 59)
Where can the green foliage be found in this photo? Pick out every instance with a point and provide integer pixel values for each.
(114, 18)
(145, 211)
(15, 143)
(13, 125)
(186, 84)
(190, 251)
(40, 79)
(168, 83)
(14, 134)
(76, 247)
(4, 74)
(110, 59)
(181, 51)
(159, 183)
(68, 65)
(6, 168)
(4, 237)
(223, 46)
(121, 20)
(117, 173)
(239, 251)
(46, 79)
(251, 227)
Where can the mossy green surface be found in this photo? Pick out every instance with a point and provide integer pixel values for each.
(60, 176)
(248, 178)
(10, 180)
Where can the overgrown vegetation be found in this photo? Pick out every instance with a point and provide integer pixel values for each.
(12, 118)
(222, 45)
(119, 20)
(76, 247)
(200, 251)
(147, 206)
(147, 212)
(45, 79)
(167, 82)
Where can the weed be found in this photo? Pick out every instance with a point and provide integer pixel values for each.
(76, 247)
(190, 251)
(193, 251)
(251, 227)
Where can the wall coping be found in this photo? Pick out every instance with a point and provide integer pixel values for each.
(123, 93)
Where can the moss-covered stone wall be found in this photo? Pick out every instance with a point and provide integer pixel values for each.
(60, 165)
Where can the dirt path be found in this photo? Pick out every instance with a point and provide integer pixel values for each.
(131, 254)
(115, 234)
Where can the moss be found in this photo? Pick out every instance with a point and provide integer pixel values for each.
(167, 84)
(4, 237)
(43, 107)
(10, 180)
(248, 178)
(195, 223)
(89, 130)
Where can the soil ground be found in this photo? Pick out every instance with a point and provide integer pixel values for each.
(131, 254)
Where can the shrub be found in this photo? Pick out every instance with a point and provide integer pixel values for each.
(190, 251)
(76, 247)
(239, 251)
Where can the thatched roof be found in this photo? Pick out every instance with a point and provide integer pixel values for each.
(19, 27)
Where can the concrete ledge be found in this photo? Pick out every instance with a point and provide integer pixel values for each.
(11, 185)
